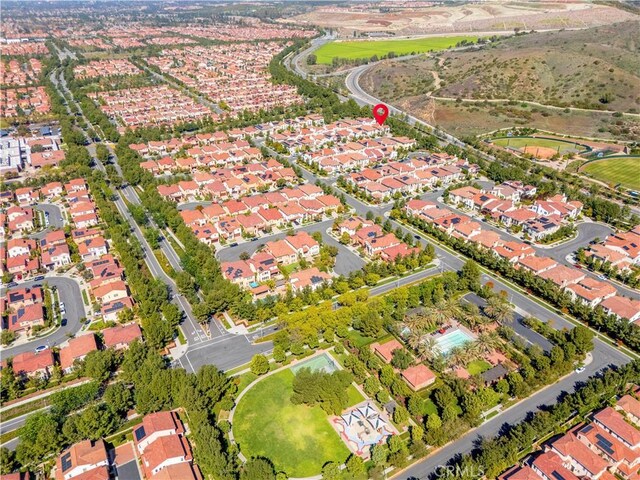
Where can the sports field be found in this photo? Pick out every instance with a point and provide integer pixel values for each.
(369, 48)
(545, 144)
(298, 439)
(624, 171)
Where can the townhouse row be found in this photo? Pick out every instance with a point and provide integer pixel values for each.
(375, 243)
(571, 280)
(411, 176)
(265, 265)
(259, 214)
(159, 446)
(40, 364)
(621, 250)
(502, 204)
(607, 447)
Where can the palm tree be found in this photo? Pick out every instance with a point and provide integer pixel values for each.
(488, 342)
(499, 310)
(415, 339)
(428, 349)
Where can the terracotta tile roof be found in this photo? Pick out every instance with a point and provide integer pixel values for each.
(569, 446)
(121, 334)
(418, 375)
(613, 421)
(77, 347)
(385, 350)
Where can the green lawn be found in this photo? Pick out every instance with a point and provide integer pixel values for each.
(355, 397)
(522, 142)
(623, 170)
(289, 269)
(298, 440)
(369, 48)
(478, 366)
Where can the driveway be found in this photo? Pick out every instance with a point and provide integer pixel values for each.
(52, 213)
(69, 293)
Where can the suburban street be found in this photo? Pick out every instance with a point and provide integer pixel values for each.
(69, 293)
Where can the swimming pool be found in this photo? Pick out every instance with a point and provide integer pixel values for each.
(449, 341)
(322, 362)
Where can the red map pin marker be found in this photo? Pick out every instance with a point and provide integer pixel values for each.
(380, 113)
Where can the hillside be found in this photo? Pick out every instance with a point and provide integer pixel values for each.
(595, 68)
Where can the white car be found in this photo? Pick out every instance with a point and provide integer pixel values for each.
(580, 369)
(62, 310)
(41, 348)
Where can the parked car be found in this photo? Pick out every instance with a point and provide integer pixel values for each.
(38, 278)
(12, 284)
(63, 322)
(602, 277)
(580, 369)
(41, 348)
(62, 310)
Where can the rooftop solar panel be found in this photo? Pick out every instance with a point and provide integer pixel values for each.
(604, 444)
(140, 433)
(66, 461)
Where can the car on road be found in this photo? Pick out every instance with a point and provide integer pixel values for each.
(602, 277)
(580, 369)
(62, 310)
(579, 267)
(12, 284)
(39, 278)
(417, 236)
(41, 348)
(63, 322)
(234, 244)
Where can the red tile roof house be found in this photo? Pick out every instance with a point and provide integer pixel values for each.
(283, 252)
(619, 455)
(622, 307)
(24, 296)
(549, 465)
(163, 452)
(352, 224)
(76, 349)
(20, 246)
(55, 257)
(563, 276)
(304, 244)
(111, 310)
(86, 460)
(630, 406)
(154, 426)
(613, 422)
(93, 248)
(418, 376)
(385, 350)
(238, 272)
(311, 277)
(463, 196)
(591, 291)
(576, 456)
(618, 260)
(178, 471)
(376, 245)
(30, 364)
(535, 264)
(119, 337)
(111, 291)
(25, 317)
(519, 473)
(264, 265)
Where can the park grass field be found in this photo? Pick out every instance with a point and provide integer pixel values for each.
(521, 143)
(368, 48)
(298, 439)
(476, 367)
(624, 171)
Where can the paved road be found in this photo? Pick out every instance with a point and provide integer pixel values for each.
(69, 293)
(55, 218)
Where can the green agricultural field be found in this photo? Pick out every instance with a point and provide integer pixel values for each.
(523, 142)
(624, 170)
(369, 48)
(298, 439)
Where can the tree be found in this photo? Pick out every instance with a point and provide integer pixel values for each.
(279, 355)
(329, 390)
(312, 59)
(257, 469)
(7, 336)
(259, 365)
(401, 359)
(470, 276)
(7, 461)
(498, 309)
(39, 437)
(355, 467)
(119, 398)
(331, 471)
(400, 415)
(99, 364)
(379, 455)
